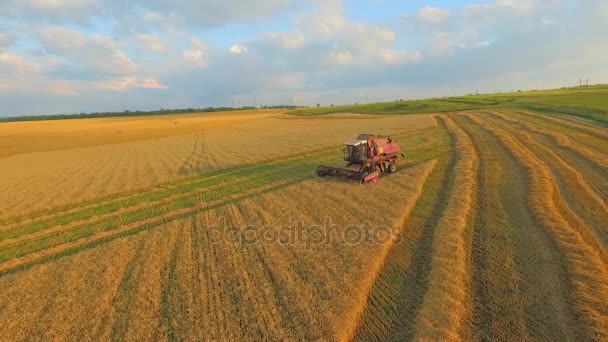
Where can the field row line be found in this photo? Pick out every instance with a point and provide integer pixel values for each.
(446, 301)
(215, 175)
(127, 210)
(495, 287)
(595, 157)
(570, 123)
(356, 314)
(584, 262)
(160, 187)
(134, 227)
(574, 173)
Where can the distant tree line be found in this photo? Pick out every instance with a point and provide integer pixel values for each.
(126, 113)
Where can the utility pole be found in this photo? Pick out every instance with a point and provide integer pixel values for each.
(580, 83)
(233, 102)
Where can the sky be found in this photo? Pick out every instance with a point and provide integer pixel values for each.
(72, 56)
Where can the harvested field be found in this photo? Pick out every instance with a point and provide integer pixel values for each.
(212, 227)
(87, 159)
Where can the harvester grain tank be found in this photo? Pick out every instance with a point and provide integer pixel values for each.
(366, 158)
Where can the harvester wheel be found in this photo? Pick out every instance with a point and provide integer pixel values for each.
(392, 167)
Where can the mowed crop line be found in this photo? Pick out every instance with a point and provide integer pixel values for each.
(496, 300)
(570, 123)
(595, 157)
(219, 176)
(44, 242)
(394, 301)
(37, 233)
(585, 263)
(61, 235)
(446, 301)
(528, 128)
(157, 198)
(33, 217)
(363, 296)
(148, 223)
(586, 192)
(214, 178)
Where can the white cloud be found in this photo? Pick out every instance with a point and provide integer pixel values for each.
(341, 57)
(434, 15)
(98, 53)
(331, 25)
(501, 11)
(13, 64)
(58, 5)
(396, 57)
(131, 82)
(324, 52)
(198, 55)
(6, 39)
(237, 49)
(153, 16)
(152, 42)
(287, 40)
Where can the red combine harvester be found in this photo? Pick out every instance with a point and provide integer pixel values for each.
(366, 157)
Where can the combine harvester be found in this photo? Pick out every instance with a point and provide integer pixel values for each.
(366, 158)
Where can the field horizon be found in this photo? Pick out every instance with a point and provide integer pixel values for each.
(585, 102)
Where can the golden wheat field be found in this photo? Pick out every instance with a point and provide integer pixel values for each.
(212, 227)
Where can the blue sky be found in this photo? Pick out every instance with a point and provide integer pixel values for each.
(71, 56)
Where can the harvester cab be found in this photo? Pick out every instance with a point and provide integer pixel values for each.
(366, 158)
(356, 151)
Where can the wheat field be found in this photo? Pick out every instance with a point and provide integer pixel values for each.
(213, 227)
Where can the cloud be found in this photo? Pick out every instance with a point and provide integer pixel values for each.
(434, 15)
(57, 5)
(330, 23)
(341, 58)
(286, 40)
(114, 54)
(97, 53)
(56, 11)
(181, 13)
(6, 39)
(12, 64)
(131, 82)
(237, 49)
(152, 42)
(399, 56)
(198, 55)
